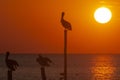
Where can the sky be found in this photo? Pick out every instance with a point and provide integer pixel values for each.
(33, 26)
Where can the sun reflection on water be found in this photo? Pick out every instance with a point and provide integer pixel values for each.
(103, 68)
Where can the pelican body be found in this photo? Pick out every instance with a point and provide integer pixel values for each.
(11, 64)
(65, 23)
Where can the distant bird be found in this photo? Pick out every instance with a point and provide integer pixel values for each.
(11, 64)
(65, 24)
(43, 61)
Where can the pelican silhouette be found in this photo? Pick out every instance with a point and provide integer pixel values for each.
(44, 62)
(65, 23)
(11, 64)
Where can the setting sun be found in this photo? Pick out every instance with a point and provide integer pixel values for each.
(102, 15)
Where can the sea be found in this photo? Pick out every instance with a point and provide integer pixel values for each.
(79, 67)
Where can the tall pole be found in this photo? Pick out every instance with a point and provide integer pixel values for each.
(9, 74)
(65, 54)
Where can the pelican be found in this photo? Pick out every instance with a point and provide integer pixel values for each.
(65, 23)
(11, 64)
(44, 62)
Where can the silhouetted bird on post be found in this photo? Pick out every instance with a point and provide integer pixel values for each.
(44, 62)
(11, 64)
(65, 23)
(67, 27)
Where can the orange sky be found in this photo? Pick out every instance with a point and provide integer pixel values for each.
(33, 26)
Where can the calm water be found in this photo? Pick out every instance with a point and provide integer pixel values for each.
(80, 67)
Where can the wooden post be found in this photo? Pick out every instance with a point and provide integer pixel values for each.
(43, 75)
(65, 54)
(9, 74)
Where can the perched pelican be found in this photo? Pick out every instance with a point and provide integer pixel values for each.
(65, 24)
(11, 64)
(43, 61)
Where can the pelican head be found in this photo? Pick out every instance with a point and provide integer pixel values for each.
(7, 53)
(63, 13)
